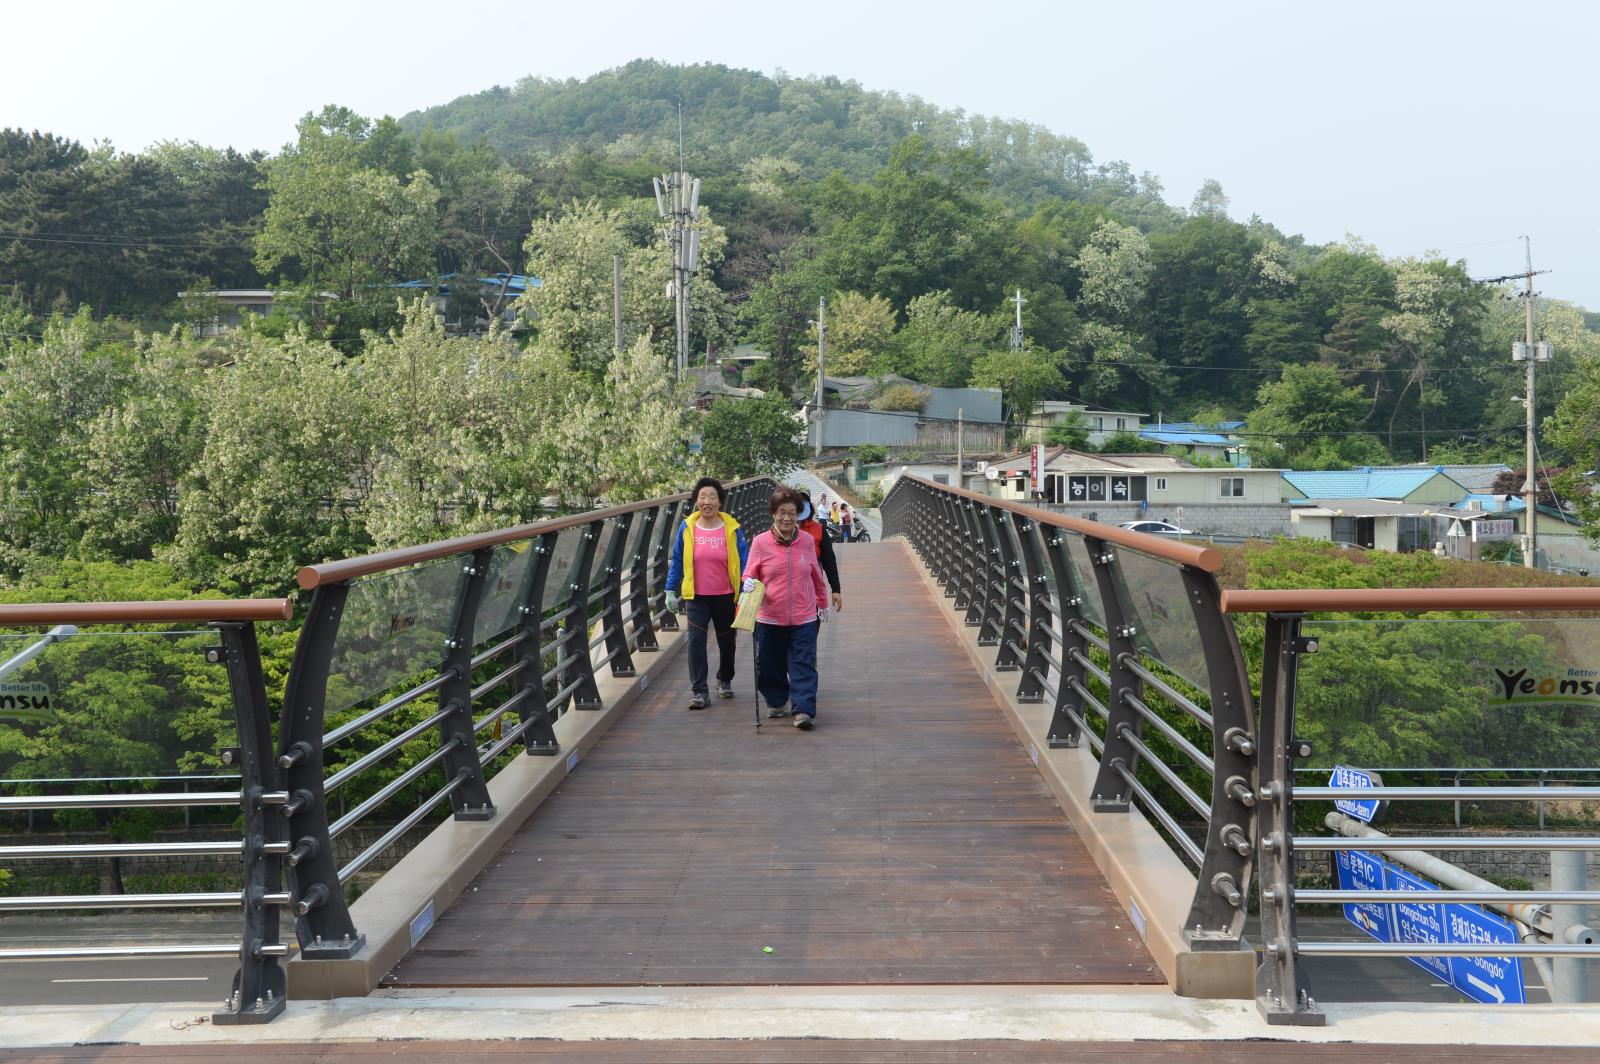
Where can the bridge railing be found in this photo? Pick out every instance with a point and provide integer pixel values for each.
(1123, 635)
(1523, 655)
(1132, 642)
(420, 672)
(63, 664)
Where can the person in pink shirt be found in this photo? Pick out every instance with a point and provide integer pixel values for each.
(792, 609)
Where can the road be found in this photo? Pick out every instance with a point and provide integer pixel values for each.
(103, 982)
(814, 486)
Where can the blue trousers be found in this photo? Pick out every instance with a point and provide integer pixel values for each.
(705, 613)
(786, 665)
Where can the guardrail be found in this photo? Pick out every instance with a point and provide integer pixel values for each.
(56, 664)
(1133, 644)
(439, 661)
(1123, 633)
(426, 652)
(1548, 920)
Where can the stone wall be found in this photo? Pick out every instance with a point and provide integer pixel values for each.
(1219, 519)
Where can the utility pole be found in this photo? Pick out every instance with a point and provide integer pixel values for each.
(961, 457)
(1531, 354)
(1016, 330)
(822, 357)
(678, 203)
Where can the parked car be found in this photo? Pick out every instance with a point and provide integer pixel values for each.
(1157, 528)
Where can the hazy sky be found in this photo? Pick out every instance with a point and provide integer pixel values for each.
(1454, 126)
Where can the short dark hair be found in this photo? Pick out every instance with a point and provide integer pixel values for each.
(782, 495)
(709, 482)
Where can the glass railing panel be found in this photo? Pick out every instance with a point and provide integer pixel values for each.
(1158, 608)
(608, 532)
(509, 568)
(630, 550)
(1085, 586)
(1486, 694)
(393, 630)
(113, 703)
(558, 581)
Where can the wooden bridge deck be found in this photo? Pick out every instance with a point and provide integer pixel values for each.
(906, 840)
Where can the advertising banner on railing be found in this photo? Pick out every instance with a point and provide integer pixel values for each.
(1491, 980)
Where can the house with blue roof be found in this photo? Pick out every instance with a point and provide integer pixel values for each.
(1391, 483)
(1218, 442)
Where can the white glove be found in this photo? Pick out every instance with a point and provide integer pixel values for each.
(673, 601)
(748, 585)
(824, 613)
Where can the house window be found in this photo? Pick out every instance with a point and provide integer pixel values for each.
(1077, 489)
(1099, 422)
(1097, 489)
(1161, 483)
(1055, 487)
(1122, 423)
(1233, 487)
(1136, 489)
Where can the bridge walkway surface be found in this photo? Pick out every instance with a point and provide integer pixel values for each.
(906, 840)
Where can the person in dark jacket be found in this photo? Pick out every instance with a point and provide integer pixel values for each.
(707, 566)
(825, 555)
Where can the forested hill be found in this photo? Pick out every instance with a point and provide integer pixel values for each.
(732, 116)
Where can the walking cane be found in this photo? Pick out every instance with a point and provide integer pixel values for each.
(755, 652)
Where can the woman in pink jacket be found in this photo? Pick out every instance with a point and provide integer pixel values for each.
(792, 610)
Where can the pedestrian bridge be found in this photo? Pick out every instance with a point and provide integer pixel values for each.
(1050, 785)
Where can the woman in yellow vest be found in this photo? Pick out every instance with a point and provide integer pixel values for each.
(708, 557)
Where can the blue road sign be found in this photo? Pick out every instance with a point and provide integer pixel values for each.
(1419, 921)
(1486, 979)
(1361, 871)
(1362, 809)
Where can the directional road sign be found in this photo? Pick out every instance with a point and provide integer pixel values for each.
(1362, 871)
(1418, 921)
(1363, 809)
(1487, 979)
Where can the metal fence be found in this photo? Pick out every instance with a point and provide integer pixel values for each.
(1133, 643)
(417, 674)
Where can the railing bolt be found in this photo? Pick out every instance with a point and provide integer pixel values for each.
(1239, 791)
(1239, 742)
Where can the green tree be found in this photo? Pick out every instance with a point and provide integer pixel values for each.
(50, 394)
(1023, 377)
(751, 437)
(940, 343)
(285, 469)
(859, 331)
(1309, 419)
(336, 223)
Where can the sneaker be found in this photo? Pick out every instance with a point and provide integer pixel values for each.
(781, 711)
(697, 701)
(802, 721)
(724, 689)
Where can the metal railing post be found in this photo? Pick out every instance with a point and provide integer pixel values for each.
(949, 563)
(1069, 708)
(989, 585)
(1034, 667)
(578, 672)
(1111, 790)
(1283, 993)
(259, 984)
(638, 570)
(660, 557)
(1218, 915)
(470, 801)
(1013, 594)
(538, 737)
(322, 916)
(974, 563)
(616, 632)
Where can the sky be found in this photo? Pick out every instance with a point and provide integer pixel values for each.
(1416, 125)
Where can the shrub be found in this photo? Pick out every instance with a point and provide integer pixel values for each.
(901, 397)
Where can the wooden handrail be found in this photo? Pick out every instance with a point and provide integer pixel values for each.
(1399, 599)
(1205, 558)
(278, 609)
(312, 576)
